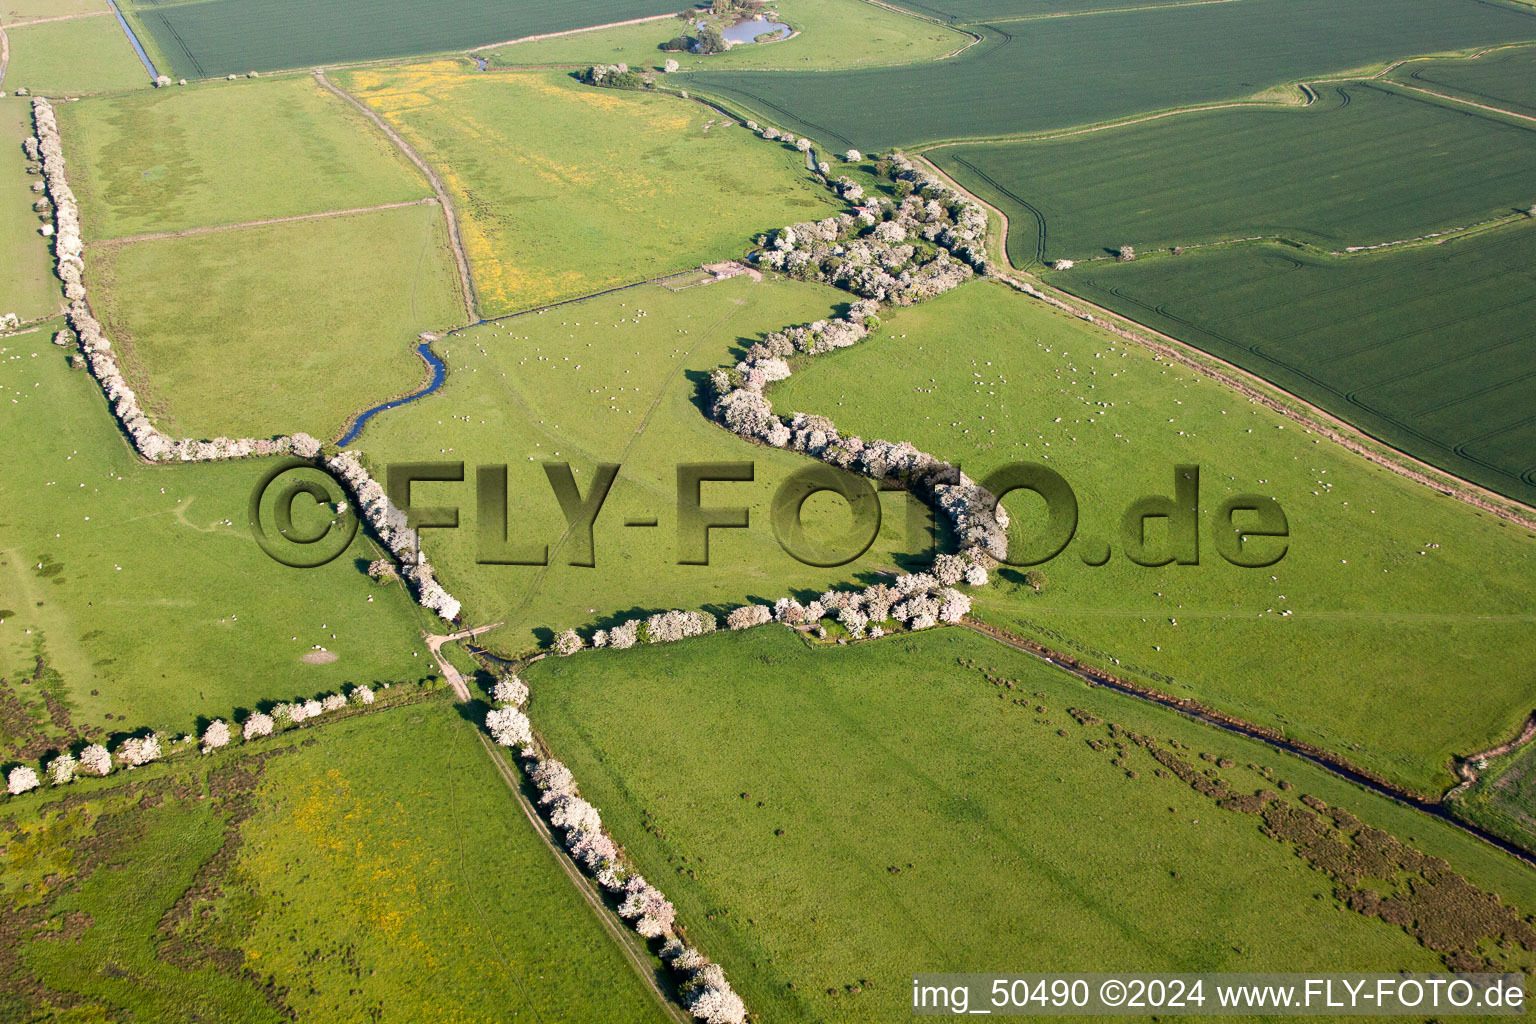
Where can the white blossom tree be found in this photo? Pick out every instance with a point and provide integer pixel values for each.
(508, 726)
(361, 695)
(21, 779)
(216, 735)
(61, 770)
(567, 642)
(96, 760)
(510, 690)
(257, 725)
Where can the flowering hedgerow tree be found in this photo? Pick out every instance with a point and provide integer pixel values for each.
(21, 779)
(508, 726)
(257, 725)
(510, 689)
(96, 760)
(216, 735)
(137, 751)
(61, 770)
(361, 695)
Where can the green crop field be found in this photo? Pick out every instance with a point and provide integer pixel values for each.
(830, 34)
(1362, 165)
(830, 822)
(1503, 78)
(28, 287)
(164, 161)
(74, 56)
(1389, 595)
(278, 328)
(1059, 72)
(140, 588)
(422, 894)
(1429, 349)
(564, 190)
(614, 379)
(216, 37)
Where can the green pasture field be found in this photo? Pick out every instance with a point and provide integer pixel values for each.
(1389, 596)
(830, 34)
(564, 189)
(1503, 78)
(1361, 166)
(1058, 72)
(28, 10)
(587, 384)
(211, 38)
(80, 55)
(166, 160)
(421, 891)
(280, 328)
(830, 822)
(1503, 799)
(1428, 349)
(28, 287)
(141, 589)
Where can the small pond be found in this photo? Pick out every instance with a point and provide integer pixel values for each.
(748, 31)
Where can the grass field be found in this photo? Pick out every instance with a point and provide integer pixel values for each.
(175, 896)
(831, 34)
(830, 822)
(1430, 349)
(565, 189)
(1362, 166)
(141, 588)
(28, 10)
(1504, 78)
(216, 37)
(1353, 620)
(75, 56)
(166, 160)
(280, 328)
(28, 287)
(1061, 72)
(587, 384)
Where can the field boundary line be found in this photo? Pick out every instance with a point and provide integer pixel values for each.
(1106, 10)
(1251, 386)
(1434, 806)
(616, 930)
(1444, 97)
(466, 282)
(215, 228)
(57, 17)
(5, 53)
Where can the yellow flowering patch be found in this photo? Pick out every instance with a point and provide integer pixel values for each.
(564, 189)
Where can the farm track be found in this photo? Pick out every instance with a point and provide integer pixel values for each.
(190, 232)
(57, 17)
(1363, 777)
(1248, 385)
(466, 283)
(626, 940)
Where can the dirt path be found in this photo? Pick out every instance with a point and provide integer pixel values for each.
(57, 17)
(1276, 399)
(435, 645)
(1465, 103)
(5, 53)
(189, 232)
(466, 283)
(612, 924)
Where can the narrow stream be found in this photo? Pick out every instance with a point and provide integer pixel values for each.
(138, 47)
(439, 375)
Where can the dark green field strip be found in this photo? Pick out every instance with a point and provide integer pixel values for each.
(1362, 165)
(218, 37)
(1432, 350)
(1058, 72)
(1505, 79)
